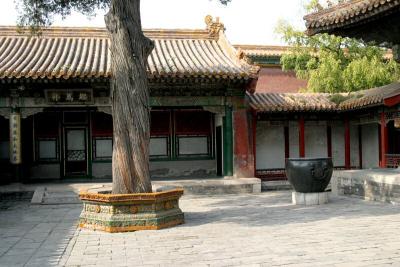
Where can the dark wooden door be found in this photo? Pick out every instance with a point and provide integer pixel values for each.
(75, 152)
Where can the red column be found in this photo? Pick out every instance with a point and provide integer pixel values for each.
(286, 134)
(360, 156)
(383, 141)
(347, 159)
(255, 142)
(302, 149)
(329, 140)
(243, 157)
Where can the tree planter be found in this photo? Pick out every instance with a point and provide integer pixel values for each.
(130, 212)
(309, 175)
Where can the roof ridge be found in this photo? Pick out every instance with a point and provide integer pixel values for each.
(226, 62)
(62, 31)
(256, 46)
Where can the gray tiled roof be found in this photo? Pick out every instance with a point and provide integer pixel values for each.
(289, 102)
(84, 53)
(348, 12)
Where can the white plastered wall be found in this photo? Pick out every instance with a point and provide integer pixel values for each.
(315, 139)
(370, 146)
(337, 135)
(270, 146)
(354, 145)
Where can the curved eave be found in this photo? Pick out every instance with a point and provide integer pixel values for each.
(349, 14)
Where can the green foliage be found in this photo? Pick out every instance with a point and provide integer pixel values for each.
(36, 14)
(339, 98)
(40, 13)
(335, 64)
(312, 6)
(327, 77)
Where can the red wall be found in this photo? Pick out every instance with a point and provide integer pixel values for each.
(275, 80)
(243, 144)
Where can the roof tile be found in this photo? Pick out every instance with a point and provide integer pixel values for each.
(84, 53)
(289, 102)
(348, 12)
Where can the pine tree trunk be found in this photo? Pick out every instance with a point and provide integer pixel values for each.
(130, 98)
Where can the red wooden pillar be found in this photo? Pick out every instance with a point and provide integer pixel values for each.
(360, 153)
(383, 141)
(243, 158)
(329, 140)
(255, 142)
(347, 159)
(302, 149)
(286, 134)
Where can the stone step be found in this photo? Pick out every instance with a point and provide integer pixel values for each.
(214, 186)
(281, 185)
(47, 196)
(51, 195)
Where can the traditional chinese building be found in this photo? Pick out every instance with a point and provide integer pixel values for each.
(210, 115)
(346, 127)
(55, 115)
(376, 21)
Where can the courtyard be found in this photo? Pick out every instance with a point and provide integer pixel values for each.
(226, 230)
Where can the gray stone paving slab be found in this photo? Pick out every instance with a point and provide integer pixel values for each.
(230, 230)
(32, 235)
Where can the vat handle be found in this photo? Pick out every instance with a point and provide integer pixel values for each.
(318, 173)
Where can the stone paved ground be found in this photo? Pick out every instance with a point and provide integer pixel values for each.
(35, 235)
(230, 230)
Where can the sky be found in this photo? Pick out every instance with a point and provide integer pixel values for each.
(246, 21)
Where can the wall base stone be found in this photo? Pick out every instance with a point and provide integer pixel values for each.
(375, 184)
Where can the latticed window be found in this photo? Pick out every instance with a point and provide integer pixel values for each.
(193, 133)
(47, 136)
(160, 134)
(102, 133)
(180, 133)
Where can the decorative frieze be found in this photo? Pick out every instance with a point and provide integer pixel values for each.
(215, 109)
(5, 112)
(187, 101)
(105, 109)
(26, 112)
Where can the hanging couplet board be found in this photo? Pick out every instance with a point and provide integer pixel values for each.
(15, 138)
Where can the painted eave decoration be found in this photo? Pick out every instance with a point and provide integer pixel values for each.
(387, 95)
(348, 13)
(65, 53)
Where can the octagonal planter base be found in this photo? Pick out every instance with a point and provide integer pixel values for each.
(130, 212)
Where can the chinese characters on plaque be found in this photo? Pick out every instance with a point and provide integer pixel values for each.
(15, 138)
(75, 96)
